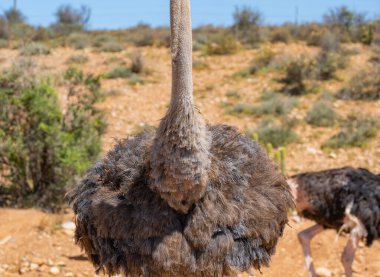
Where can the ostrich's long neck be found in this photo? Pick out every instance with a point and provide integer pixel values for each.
(180, 155)
(181, 51)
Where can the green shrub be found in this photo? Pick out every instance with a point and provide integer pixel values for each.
(280, 34)
(34, 49)
(329, 42)
(322, 115)
(135, 79)
(355, 132)
(221, 44)
(327, 64)
(40, 156)
(99, 40)
(200, 65)
(246, 25)
(261, 61)
(241, 109)
(78, 59)
(363, 86)
(233, 94)
(111, 46)
(296, 74)
(70, 19)
(4, 43)
(275, 134)
(119, 72)
(78, 40)
(274, 104)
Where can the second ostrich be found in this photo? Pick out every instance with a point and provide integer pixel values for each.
(188, 199)
(345, 199)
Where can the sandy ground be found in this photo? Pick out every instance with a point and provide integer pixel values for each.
(32, 242)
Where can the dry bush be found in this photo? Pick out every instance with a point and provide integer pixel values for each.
(363, 86)
(223, 44)
(322, 114)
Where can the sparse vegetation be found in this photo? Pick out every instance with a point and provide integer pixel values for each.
(70, 19)
(363, 86)
(78, 40)
(262, 61)
(137, 62)
(296, 74)
(356, 131)
(222, 44)
(200, 65)
(111, 46)
(321, 115)
(275, 134)
(274, 104)
(246, 26)
(34, 49)
(78, 59)
(327, 64)
(119, 72)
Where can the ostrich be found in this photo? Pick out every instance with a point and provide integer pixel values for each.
(188, 199)
(345, 199)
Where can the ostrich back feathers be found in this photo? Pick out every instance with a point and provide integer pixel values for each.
(330, 192)
(125, 226)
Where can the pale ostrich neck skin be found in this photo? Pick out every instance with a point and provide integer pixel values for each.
(180, 156)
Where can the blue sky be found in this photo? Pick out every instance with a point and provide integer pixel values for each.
(114, 14)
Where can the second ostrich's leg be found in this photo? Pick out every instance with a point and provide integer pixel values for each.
(348, 254)
(305, 238)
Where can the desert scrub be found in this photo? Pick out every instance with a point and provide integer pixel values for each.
(327, 64)
(34, 49)
(271, 104)
(200, 65)
(221, 44)
(4, 43)
(297, 72)
(363, 86)
(78, 59)
(40, 156)
(355, 132)
(119, 72)
(111, 46)
(107, 43)
(262, 61)
(322, 114)
(137, 62)
(135, 79)
(78, 40)
(233, 94)
(276, 134)
(274, 104)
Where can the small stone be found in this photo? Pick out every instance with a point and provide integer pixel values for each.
(332, 155)
(68, 225)
(323, 272)
(33, 266)
(54, 270)
(296, 219)
(6, 240)
(68, 274)
(23, 270)
(50, 262)
(311, 150)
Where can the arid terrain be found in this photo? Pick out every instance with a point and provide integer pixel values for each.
(34, 243)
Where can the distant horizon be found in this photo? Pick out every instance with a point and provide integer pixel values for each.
(114, 15)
